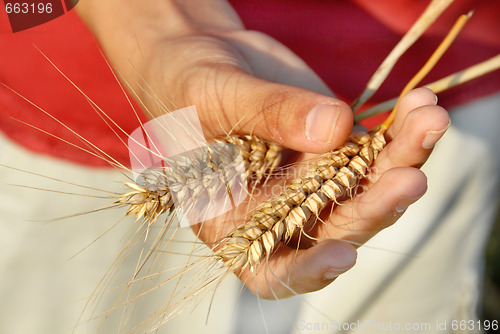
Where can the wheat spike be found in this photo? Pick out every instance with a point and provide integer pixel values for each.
(260, 156)
(152, 195)
(330, 180)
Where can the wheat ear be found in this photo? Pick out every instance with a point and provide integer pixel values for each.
(260, 156)
(330, 180)
(187, 180)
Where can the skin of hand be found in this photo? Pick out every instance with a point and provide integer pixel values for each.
(198, 53)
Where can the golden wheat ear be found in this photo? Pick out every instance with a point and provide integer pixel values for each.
(279, 219)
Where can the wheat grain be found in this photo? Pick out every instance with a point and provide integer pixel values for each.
(153, 194)
(260, 156)
(330, 180)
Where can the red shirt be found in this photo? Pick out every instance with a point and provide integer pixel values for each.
(343, 41)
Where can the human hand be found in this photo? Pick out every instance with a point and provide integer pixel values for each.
(246, 82)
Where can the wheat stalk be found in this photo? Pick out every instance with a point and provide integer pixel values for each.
(438, 86)
(431, 13)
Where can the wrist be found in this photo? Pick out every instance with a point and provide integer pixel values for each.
(130, 31)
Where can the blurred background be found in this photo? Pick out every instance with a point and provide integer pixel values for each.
(491, 296)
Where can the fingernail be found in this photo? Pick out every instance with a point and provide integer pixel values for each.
(334, 273)
(321, 121)
(404, 203)
(431, 137)
(345, 260)
(436, 101)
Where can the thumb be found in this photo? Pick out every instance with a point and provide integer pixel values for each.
(319, 265)
(297, 118)
(291, 271)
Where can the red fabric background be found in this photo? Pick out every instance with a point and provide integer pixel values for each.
(343, 41)
(71, 47)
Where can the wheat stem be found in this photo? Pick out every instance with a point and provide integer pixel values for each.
(431, 13)
(429, 64)
(453, 80)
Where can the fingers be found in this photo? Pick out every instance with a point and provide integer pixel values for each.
(290, 272)
(393, 183)
(415, 134)
(319, 265)
(380, 206)
(270, 60)
(414, 99)
(238, 86)
(295, 117)
(285, 113)
(220, 79)
(386, 201)
(383, 204)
